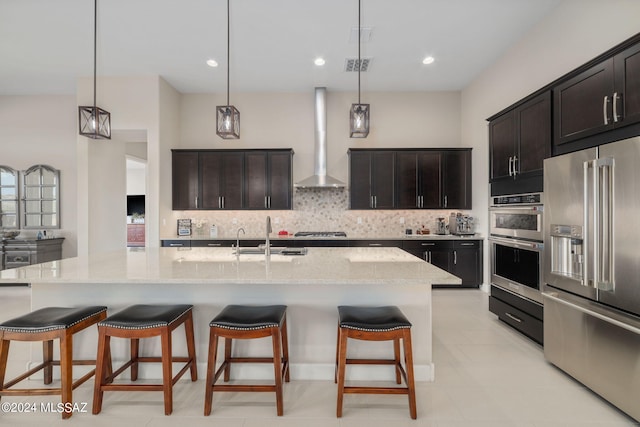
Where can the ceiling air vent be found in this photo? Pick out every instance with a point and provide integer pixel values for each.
(351, 64)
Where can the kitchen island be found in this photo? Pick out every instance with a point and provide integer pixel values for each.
(312, 286)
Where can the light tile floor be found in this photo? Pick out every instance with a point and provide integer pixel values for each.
(486, 375)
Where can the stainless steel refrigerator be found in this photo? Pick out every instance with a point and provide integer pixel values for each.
(592, 269)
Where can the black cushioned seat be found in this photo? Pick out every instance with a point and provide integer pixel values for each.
(143, 316)
(248, 317)
(386, 318)
(50, 319)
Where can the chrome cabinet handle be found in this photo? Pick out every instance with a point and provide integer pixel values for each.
(176, 244)
(375, 244)
(223, 202)
(512, 317)
(515, 168)
(616, 98)
(428, 244)
(605, 116)
(214, 244)
(510, 165)
(455, 257)
(467, 244)
(196, 202)
(371, 202)
(445, 201)
(269, 202)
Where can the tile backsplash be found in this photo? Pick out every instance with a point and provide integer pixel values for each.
(313, 210)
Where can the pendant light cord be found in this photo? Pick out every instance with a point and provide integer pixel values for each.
(359, 60)
(95, 44)
(228, 36)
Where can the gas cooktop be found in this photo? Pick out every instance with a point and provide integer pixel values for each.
(325, 234)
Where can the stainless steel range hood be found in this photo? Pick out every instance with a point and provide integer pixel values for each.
(320, 179)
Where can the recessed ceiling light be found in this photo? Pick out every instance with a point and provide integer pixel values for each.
(212, 63)
(319, 62)
(428, 60)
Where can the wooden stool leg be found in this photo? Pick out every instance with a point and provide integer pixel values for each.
(335, 373)
(277, 366)
(66, 371)
(285, 349)
(47, 359)
(228, 342)
(4, 356)
(167, 374)
(408, 360)
(211, 371)
(104, 342)
(135, 353)
(191, 346)
(396, 352)
(342, 365)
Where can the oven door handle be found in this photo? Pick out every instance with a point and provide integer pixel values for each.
(520, 244)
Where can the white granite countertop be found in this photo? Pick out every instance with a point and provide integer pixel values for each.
(330, 266)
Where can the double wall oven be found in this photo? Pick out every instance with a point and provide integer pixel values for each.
(516, 244)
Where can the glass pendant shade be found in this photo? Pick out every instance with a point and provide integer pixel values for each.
(359, 120)
(227, 122)
(94, 122)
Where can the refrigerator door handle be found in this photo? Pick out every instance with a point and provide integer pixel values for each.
(603, 216)
(585, 221)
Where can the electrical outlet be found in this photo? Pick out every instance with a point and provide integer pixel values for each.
(401, 220)
(234, 221)
(276, 220)
(359, 220)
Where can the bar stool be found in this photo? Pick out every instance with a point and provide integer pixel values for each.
(375, 324)
(247, 322)
(144, 321)
(46, 325)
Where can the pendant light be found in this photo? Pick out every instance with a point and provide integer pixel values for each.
(359, 113)
(94, 121)
(227, 116)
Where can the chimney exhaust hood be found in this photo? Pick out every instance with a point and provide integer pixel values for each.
(320, 179)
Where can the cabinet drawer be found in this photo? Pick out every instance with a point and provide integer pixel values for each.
(17, 257)
(425, 245)
(528, 325)
(376, 243)
(531, 308)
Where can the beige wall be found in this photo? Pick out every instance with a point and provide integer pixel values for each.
(42, 130)
(572, 34)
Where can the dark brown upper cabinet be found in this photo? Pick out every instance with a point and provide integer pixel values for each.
(371, 174)
(185, 180)
(410, 179)
(232, 179)
(268, 180)
(600, 99)
(221, 177)
(519, 141)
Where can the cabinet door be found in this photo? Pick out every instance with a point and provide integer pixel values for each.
(256, 180)
(534, 134)
(382, 179)
(582, 105)
(430, 179)
(440, 257)
(502, 142)
(185, 189)
(456, 179)
(360, 179)
(280, 180)
(466, 263)
(627, 86)
(221, 176)
(407, 180)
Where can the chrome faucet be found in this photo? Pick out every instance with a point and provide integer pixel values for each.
(238, 241)
(267, 249)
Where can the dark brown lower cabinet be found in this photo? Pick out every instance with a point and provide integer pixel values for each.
(462, 258)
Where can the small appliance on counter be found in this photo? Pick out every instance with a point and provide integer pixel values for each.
(461, 225)
(441, 227)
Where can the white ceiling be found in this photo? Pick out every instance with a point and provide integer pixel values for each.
(45, 45)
